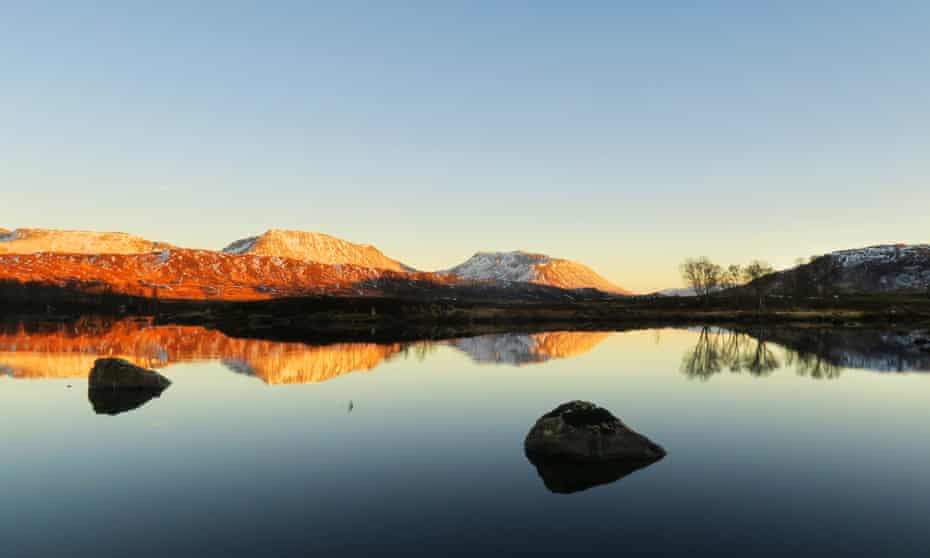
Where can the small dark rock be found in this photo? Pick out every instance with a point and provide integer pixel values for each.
(579, 445)
(114, 374)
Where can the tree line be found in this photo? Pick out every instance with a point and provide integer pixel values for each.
(706, 277)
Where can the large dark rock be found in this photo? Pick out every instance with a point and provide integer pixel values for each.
(116, 374)
(117, 386)
(579, 445)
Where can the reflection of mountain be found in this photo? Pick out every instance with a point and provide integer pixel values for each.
(884, 351)
(296, 363)
(813, 352)
(525, 348)
(70, 351)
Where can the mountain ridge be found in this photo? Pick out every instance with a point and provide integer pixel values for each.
(518, 266)
(316, 247)
(35, 240)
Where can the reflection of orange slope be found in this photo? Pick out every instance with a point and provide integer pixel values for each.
(564, 344)
(69, 352)
(285, 363)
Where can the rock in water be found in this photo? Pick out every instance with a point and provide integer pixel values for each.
(116, 374)
(579, 445)
(117, 386)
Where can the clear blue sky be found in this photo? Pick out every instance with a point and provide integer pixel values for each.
(626, 135)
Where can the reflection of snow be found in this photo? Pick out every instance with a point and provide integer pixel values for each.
(501, 349)
(523, 348)
(239, 367)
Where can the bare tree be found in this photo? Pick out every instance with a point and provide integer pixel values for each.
(753, 273)
(702, 275)
(731, 277)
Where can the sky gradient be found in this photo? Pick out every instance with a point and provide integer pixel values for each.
(626, 136)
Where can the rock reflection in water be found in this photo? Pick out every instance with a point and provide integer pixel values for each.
(116, 402)
(566, 477)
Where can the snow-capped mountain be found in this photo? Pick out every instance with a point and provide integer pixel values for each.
(679, 291)
(314, 247)
(887, 268)
(31, 241)
(524, 267)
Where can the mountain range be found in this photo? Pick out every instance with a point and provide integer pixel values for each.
(286, 263)
(277, 263)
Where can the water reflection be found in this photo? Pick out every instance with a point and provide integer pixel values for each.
(717, 350)
(106, 402)
(526, 348)
(47, 351)
(68, 350)
(815, 352)
(566, 477)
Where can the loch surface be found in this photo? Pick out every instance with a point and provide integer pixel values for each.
(779, 442)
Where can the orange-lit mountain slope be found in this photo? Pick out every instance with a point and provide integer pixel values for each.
(314, 247)
(30, 241)
(186, 274)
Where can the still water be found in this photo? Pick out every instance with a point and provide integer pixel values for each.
(780, 442)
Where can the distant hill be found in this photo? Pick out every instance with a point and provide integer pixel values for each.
(31, 241)
(539, 269)
(891, 269)
(314, 247)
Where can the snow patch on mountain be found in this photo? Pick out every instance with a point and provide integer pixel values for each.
(240, 247)
(879, 254)
(500, 266)
(525, 267)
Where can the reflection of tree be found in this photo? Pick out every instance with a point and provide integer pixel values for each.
(813, 365)
(761, 361)
(719, 349)
(419, 349)
(705, 359)
(738, 352)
